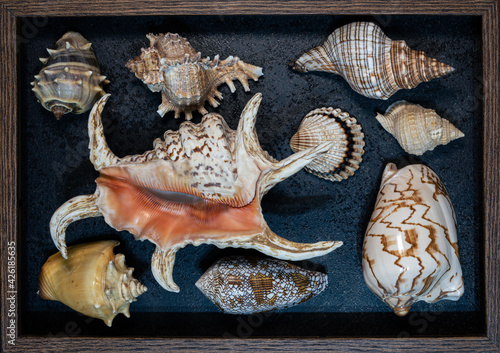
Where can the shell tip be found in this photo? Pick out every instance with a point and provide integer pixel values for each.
(401, 311)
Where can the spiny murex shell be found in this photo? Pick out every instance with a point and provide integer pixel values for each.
(330, 124)
(247, 285)
(410, 251)
(172, 66)
(92, 280)
(200, 185)
(70, 80)
(417, 129)
(373, 64)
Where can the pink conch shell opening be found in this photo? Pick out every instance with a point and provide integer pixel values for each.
(200, 185)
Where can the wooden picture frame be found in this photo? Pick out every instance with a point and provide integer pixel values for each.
(11, 14)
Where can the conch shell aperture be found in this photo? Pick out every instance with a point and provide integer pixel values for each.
(92, 280)
(200, 185)
(373, 64)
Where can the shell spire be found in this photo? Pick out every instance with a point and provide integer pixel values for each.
(373, 64)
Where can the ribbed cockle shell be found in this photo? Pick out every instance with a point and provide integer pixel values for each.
(200, 185)
(172, 66)
(330, 124)
(410, 250)
(416, 128)
(247, 285)
(92, 280)
(373, 64)
(71, 80)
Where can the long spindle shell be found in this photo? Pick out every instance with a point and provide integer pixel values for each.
(70, 80)
(92, 280)
(247, 285)
(410, 250)
(373, 64)
(416, 128)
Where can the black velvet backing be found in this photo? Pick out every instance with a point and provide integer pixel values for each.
(55, 167)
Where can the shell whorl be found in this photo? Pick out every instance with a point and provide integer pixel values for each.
(416, 128)
(330, 124)
(373, 64)
(70, 80)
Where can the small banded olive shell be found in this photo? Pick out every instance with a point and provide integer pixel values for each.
(331, 124)
(247, 285)
(70, 80)
(92, 280)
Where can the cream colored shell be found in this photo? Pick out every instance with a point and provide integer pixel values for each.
(331, 125)
(373, 64)
(416, 128)
(92, 281)
(410, 250)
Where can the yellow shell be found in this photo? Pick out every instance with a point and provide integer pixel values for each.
(71, 80)
(93, 281)
(331, 125)
(373, 64)
(417, 129)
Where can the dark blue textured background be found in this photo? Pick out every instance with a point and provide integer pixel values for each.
(55, 168)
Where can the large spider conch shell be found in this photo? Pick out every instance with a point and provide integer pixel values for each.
(171, 66)
(201, 185)
(373, 64)
(248, 285)
(92, 280)
(417, 129)
(410, 251)
(70, 80)
(330, 124)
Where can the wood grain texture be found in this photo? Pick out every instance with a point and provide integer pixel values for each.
(242, 7)
(491, 74)
(11, 11)
(8, 157)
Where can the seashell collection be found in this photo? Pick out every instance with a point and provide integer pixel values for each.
(329, 124)
(417, 129)
(373, 64)
(70, 80)
(92, 280)
(410, 251)
(204, 182)
(186, 81)
(248, 285)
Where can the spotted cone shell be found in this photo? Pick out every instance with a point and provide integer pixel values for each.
(331, 124)
(373, 64)
(186, 81)
(416, 128)
(247, 285)
(92, 280)
(71, 80)
(410, 249)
